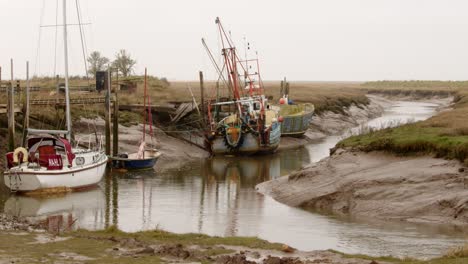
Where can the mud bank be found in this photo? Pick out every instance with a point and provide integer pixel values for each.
(330, 123)
(175, 152)
(378, 185)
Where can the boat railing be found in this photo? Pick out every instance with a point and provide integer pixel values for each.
(91, 141)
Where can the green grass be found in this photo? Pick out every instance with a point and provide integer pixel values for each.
(411, 139)
(99, 245)
(184, 239)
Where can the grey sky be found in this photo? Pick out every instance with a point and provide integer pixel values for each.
(337, 40)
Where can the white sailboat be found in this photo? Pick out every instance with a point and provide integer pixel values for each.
(49, 162)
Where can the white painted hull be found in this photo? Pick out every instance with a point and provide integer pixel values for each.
(24, 180)
(26, 206)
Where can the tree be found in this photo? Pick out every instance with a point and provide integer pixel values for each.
(96, 62)
(124, 63)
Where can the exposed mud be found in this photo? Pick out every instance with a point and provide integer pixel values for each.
(379, 185)
(175, 152)
(330, 123)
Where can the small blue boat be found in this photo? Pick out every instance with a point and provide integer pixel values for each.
(145, 158)
(133, 162)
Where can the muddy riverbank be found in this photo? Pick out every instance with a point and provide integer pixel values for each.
(378, 185)
(156, 247)
(177, 153)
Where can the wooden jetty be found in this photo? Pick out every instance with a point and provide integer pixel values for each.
(175, 110)
(61, 101)
(4, 107)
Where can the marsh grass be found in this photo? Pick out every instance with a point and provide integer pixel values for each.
(444, 135)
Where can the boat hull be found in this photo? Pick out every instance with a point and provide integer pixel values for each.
(43, 180)
(134, 163)
(249, 145)
(296, 125)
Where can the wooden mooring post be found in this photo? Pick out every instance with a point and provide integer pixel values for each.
(202, 95)
(115, 120)
(107, 114)
(11, 113)
(26, 106)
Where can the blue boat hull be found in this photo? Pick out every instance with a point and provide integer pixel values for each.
(134, 163)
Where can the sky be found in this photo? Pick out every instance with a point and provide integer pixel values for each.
(313, 40)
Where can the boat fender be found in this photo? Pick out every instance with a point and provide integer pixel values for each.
(16, 155)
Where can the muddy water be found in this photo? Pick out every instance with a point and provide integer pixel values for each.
(217, 197)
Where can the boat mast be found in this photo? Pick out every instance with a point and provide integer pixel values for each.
(67, 93)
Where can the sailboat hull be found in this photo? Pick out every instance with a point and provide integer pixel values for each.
(136, 164)
(25, 180)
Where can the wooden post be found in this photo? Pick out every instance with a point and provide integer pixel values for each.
(11, 113)
(282, 88)
(217, 100)
(115, 124)
(26, 107)
(107, 115)
(202, 95)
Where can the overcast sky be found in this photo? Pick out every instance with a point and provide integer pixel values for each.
(335, 40)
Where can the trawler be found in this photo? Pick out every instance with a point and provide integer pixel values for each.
(248, 125)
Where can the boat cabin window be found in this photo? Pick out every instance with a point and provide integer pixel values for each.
(256, 106)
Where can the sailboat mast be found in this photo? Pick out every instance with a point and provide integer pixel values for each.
(67, 93)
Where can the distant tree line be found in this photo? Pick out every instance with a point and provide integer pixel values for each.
(123, 62)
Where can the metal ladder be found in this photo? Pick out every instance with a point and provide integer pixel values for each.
(14, 185)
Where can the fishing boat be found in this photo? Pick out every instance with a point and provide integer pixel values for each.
(144, 158)
(296, 118)
(48, 162)
(248, 126)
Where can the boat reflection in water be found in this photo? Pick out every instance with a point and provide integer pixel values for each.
(64, 212)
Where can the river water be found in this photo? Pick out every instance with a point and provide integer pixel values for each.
(217, 197)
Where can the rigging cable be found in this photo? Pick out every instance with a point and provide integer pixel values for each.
(39, 39)
(56, 33)
(80, 25)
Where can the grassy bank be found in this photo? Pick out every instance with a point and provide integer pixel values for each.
(156, 246)
(444, 135)
(331, 96)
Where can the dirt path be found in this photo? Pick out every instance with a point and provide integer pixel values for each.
(379, 185)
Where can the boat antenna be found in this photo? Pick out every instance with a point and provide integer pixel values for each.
(65, 49)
